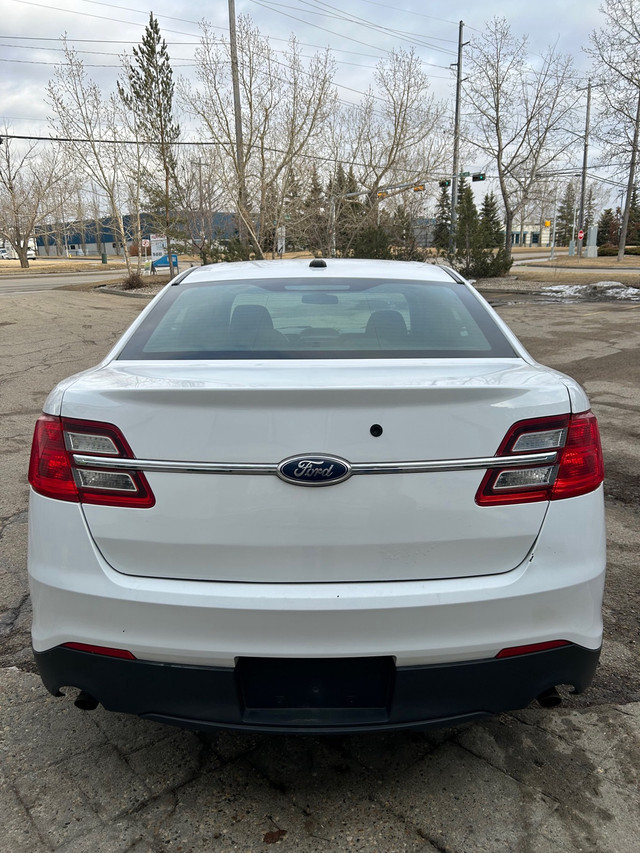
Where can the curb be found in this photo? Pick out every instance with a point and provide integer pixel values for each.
(131, 294)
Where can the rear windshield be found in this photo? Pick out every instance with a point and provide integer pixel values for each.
(343, 318)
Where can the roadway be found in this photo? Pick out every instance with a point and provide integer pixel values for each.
(30, 282)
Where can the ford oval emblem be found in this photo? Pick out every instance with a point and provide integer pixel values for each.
(314, 469)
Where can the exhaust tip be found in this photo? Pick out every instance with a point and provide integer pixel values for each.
(86, 702)
(550, 698)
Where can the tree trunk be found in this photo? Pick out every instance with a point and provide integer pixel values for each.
(508, 224)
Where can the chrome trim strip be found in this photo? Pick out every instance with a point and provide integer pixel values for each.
(417, 467)
(185, 467)
(518, 461)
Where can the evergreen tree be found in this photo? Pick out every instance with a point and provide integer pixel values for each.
(633, 229)
(474, 257)
(350, 213)
(269, 221)
(490, 222)
(468, 235)
(371, 242)
(404, 236)
(608, 227)
(442, 230)
(589, 210)
(566, 215)
(149, 94)
(315, 224)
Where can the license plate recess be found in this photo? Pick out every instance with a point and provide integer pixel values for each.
(312, 691)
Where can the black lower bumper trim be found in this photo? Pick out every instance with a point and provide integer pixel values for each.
(336, 696)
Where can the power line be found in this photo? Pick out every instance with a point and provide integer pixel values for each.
(410, 12)
(205, 143)
(271, 8)
(196, 23)
(316, 26)
(341, 15)
(181, 61)
(169, 43)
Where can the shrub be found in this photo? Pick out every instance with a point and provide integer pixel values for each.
(483, 263)
(226, 251)
(133, 281)
(608, 250)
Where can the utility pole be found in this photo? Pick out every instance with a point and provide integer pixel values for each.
(235, 79)
(456, 141)
(583, 186)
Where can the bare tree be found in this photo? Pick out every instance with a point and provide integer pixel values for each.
(616, 52)
(285, 106)
(398, 134)
(27, 181)
(520, 111)
(91, 124)
(395, 135)
(201, 199)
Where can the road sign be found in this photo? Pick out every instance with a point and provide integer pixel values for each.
(146, 243)
(581, 234)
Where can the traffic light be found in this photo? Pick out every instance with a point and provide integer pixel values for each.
(446, 183)
(382, 194)
(418, 188)
(478, 176)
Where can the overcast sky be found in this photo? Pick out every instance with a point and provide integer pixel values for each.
(29, 31)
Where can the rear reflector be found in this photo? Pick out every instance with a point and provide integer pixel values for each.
(514, 651)
(54, 474)
(578, 468)
(107, 651)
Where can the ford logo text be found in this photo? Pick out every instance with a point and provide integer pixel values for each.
(314, 470)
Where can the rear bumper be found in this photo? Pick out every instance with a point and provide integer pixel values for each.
(305, 699)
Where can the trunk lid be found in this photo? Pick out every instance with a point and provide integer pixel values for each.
(255, 527)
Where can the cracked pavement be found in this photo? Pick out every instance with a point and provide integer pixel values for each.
(533, 781)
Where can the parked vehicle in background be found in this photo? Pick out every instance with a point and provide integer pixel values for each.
(317, 497)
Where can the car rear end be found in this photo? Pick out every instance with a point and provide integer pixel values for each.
(317, 499)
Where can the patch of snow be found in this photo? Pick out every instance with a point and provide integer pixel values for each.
(599, 290)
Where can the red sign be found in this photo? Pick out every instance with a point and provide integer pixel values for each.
(581, 234)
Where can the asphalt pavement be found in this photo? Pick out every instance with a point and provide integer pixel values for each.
(31, 282)
(534, 781)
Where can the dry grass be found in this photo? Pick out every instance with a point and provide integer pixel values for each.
(52, 265)
(557, 275)
(628, 262)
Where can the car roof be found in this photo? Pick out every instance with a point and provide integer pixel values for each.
(311, 269)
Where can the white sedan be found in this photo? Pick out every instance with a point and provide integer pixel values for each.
(320, 496)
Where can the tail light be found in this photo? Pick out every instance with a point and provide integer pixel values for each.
(578, 467)
(54, 473)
